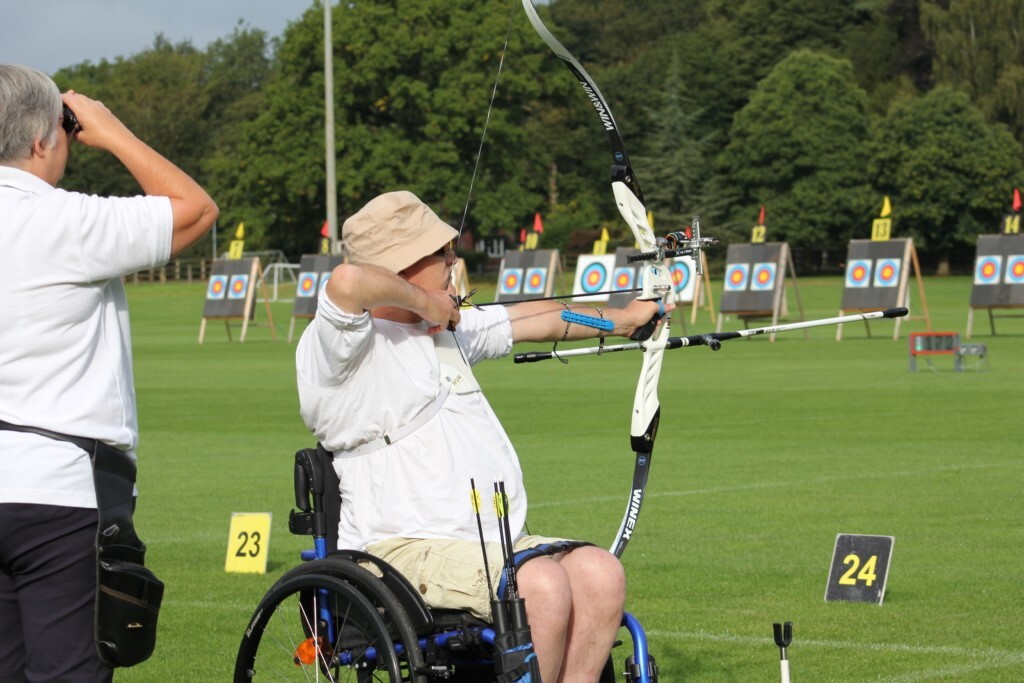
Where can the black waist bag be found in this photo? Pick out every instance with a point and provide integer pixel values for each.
(128, 594)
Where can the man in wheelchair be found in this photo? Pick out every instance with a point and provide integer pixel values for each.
(385, 383)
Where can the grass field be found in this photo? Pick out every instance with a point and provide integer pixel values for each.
(766, 451)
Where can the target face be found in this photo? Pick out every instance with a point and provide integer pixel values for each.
(1014, 270)
(324, 277)
(858, 273)
(238, 286)
(736, 276)
(887, 272)
(218, 287)
(987, 270)
(594, 278)
(306, 285)
(763, 279)
(536, 279)
(511, 281)
(624, 278)
(681, 276)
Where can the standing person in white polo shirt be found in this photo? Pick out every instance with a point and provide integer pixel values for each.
(65, 356)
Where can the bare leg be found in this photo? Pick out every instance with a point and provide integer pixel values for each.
(598, 596)
(574, 602)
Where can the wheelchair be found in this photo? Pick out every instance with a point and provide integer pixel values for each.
(344, 615)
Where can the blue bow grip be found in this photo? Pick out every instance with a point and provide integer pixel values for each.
(588, 320)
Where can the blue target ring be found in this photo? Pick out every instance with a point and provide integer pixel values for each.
(887, 272)
(1014, 270)
(736, 276)
(306, 286)
(988, 269)
(218, 287)
(763, 279)
(858, 273)
(594, 278)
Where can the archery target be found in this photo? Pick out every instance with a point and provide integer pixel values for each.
(624, 278)
(511, 281)
(594, 278)
(218, 287)
(858, 273)
(736, 277)
(987, 270)
(1014, 270)
(306, 285)
(324, 277)
(535, 280)
(887, 272)
(238, 286)
(763, 278)
(682, 272)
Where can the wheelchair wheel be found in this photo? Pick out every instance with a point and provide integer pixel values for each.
(318, 627)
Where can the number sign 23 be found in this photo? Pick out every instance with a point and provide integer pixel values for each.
(860, 567)
(248, 543)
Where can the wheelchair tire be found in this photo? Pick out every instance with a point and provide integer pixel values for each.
(283, 640)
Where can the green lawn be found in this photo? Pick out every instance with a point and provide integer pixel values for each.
(766, 451)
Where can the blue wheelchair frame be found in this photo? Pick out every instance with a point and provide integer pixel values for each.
(398, 637)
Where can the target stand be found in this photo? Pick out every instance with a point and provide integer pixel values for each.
(998, 279)
(527, 274)
(755, 284)
(314, 271)
(231, 295)
(877, 277)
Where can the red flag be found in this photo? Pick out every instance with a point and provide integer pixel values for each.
(760, 216)
(1016, 199)
(522, 236)
(537, 225)
(325, 231)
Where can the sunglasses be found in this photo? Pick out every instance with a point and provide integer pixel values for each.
(69, 122)
(447, 249)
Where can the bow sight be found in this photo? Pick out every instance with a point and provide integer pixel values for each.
(682, 243)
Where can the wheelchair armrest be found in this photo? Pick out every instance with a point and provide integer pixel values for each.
(407, 596)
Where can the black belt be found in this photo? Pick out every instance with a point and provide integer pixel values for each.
(113, 473)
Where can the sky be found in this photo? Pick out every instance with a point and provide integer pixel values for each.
(51, 34)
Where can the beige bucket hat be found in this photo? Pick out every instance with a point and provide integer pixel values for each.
(394, 230)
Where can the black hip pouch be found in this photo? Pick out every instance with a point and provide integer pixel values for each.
(128, 595)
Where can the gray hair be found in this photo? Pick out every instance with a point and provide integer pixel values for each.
(30, 106)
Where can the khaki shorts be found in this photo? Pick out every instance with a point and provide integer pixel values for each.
(450, 574)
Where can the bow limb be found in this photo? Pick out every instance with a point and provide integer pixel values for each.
(655, 281)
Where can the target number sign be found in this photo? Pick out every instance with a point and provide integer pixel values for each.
(860, 567)
(248, 543)
(757, 234)
(881, 229)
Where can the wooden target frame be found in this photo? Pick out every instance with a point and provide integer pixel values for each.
(748, 300)
(998, 278)
(866, 289)
(224, 304)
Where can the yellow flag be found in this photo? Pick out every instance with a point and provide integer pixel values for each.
(604, 234)
(650, 218)
(240, 232)
(886, 208)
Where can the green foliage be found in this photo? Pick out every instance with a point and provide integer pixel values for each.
(979, 49)
(949, 173)
(799, 148)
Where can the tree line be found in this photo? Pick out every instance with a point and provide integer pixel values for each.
(815, 109)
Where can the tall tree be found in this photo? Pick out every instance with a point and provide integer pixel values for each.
(947, 170)
(799, 147)
(979, 48)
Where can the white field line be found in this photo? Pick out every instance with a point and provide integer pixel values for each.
(763, 485)
(992, 658)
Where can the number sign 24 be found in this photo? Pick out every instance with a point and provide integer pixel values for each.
(860, 568)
